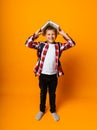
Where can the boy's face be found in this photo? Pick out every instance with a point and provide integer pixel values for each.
(50, 36)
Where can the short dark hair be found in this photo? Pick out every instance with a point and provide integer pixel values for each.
(50, 28)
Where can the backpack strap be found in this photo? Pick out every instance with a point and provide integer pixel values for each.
(59, 64)
(40, 48)
(59, 49)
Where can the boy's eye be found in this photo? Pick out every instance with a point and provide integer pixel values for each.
(49, 34)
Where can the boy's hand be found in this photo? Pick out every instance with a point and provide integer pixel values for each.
(61, 32)
(38, 32)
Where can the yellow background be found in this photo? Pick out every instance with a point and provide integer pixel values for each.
(77, 89)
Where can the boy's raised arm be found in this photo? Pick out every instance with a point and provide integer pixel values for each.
(70, 43)
(30, 41)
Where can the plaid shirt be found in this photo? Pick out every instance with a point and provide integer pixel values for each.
(63, 46)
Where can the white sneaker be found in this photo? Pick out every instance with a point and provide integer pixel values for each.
(55, 116)
(39, 115)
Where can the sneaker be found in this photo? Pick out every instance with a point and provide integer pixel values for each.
(39, 115)
(55, 116)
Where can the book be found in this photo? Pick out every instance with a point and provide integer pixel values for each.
(50, 23)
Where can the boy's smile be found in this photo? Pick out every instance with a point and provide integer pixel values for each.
(50, 36)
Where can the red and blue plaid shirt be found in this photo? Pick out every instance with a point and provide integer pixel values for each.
(63, 46)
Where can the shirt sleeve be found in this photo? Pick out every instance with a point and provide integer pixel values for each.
(31, 43)
(64, 46)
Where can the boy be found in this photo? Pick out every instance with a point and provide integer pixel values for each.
(48, 67)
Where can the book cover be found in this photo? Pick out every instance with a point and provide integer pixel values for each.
(50, 23)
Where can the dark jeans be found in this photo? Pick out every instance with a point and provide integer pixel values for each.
(48, 82)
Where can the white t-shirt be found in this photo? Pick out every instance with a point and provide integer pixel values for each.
(49, 66)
